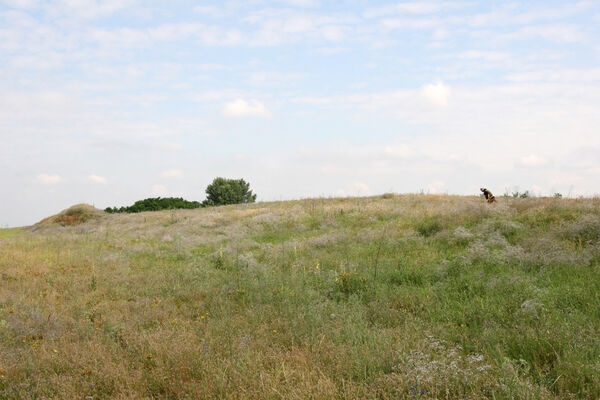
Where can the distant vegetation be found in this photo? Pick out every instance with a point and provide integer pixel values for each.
(155, 204)
(224, 191)
(221, 191)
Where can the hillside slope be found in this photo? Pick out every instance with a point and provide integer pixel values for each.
(387, 297)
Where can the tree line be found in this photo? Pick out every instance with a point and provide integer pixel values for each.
(221, 191)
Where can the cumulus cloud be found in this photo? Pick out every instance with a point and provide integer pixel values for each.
(98, 179)
(242, 108)
(533, 160)
(172, 174)
(361, 188)
(159, 190)
(436, 94)
(436, 187)
(49, 179)
(354, 189)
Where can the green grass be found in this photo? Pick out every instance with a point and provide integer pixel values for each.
(8, 232)
(372, 298)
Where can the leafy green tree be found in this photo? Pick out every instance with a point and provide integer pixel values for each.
(155, 204)
(228, 191)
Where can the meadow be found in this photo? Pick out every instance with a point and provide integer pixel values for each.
(386, 297)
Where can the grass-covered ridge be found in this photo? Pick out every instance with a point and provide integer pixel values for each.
(74, 215)
(445, 297)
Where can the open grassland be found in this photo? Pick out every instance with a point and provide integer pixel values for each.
(390, 297)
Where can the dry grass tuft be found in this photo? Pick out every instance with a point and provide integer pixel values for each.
(74, 215)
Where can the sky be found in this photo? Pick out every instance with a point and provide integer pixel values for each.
(111, 101)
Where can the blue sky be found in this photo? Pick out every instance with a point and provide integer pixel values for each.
(111, 101)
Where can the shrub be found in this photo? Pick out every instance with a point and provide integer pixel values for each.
(155, 204)
(224, 191)
(522, 195)
(585, 229)
(429, 226)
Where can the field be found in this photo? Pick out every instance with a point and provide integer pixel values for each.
(388, 297)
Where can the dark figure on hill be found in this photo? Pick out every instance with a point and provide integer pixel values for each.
(488, 195)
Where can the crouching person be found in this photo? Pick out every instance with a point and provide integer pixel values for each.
(488, 195)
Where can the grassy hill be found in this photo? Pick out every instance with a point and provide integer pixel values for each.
(390, 297)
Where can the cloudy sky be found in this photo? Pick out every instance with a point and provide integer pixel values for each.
(111, 101)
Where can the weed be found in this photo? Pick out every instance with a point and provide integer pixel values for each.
(429, 226)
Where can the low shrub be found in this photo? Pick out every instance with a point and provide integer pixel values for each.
(155, 204)
(429, 226)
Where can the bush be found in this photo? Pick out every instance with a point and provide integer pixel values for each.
(521, 195)
(429, 226)
(155, 204)
(585, 229)
(224, 191)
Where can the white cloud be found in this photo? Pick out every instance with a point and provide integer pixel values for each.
(412, 23)
(20, 3)
(211, 11)
(159, 190)
(537, 190)
(303, 3)
(168, 146)
(274, 78)
(483, 55)
(533, 160)
(413, 8)
(436, 93)
(554, 33)
(354, 189)
(361, 188)
(89, 9)
(400, 151)
(49, 179)
(299, 24)
(172, 174)
(333, 33)
(242, 108)
(436, 187)
(556, 75)
(98, 179)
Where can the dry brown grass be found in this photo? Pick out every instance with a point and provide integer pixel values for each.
(74, 215)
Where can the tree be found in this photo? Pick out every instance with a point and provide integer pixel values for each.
(228, 191)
